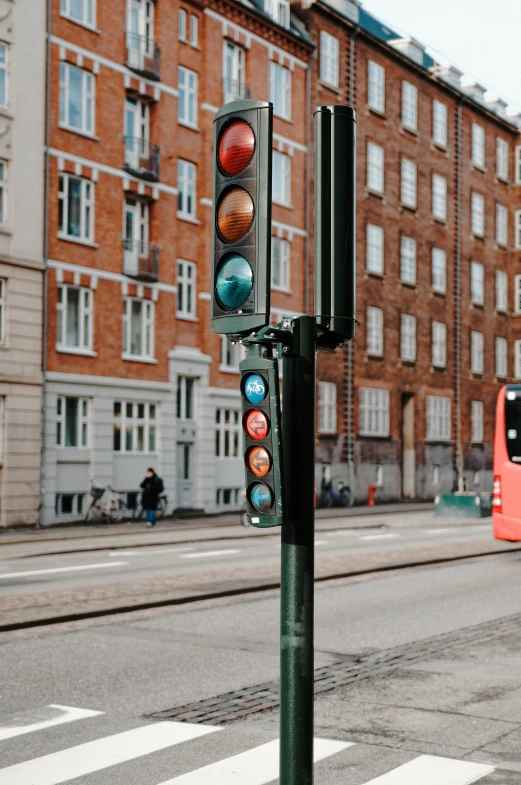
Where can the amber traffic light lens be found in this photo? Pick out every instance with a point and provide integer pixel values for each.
(258, 461)
(236, 148)
(256, 424)
(235, 215)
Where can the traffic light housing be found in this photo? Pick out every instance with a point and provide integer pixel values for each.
(260, 394)
(241, 279)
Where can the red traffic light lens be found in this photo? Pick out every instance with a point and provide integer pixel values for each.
(236, 147)
(256, 424)
(235, 215)
(258, 461)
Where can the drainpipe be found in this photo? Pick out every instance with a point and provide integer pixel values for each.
(458, 452)
(307, 206)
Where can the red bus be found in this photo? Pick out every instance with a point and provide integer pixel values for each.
(506, 496)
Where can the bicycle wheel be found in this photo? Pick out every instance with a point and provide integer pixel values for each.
(162, 505)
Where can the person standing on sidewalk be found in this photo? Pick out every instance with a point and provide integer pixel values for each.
(152, 487)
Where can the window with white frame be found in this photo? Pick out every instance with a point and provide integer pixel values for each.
(3, 304)
(186, 173)
(138, 328)
(374, 260)
(186, 291)
(75, 208)
(281, 178)
(233, 72)
(478, 145)
(409, 106)
(408, 260)
(517, 294)
(4, 75)
(375, 167)
(185, 395)
(518, 165)
(477, 214)
(439, 270)
(375, 331)
(439, 123)
(227, 433)
(517, 359)
(501, 291)
(278, 10)
(477, 283)
(72, 422)
(502, 152)
(280, 263)
(517, 227)
(439, 197)
(187, 100)
(135, 427)
(376, 86)
(439, 345)
(1, 431)
(329, 61)
(476, 419)
(69, 504)
(74, 307)
(501, 357)
(280, 90)
(232, 352)
(476, 352)
(501, 224)
(82, 11)
(194, 29)
(77, 88)
(408, 183)
(182, 25)
(408, 337)
(3, 193)
(438, 417)
(326, 407)
(374, 412)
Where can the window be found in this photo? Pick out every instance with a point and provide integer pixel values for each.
(74, 308)
(409, 106)
(326, 407)
(501, 224)
(375, 331)
(439, 123)
(501, 291)
(408, 337)
(185, 398)
(439, 270)
(477, 283)
(375, 249)
(502, 152)
(478, 145)
(439, 197)
(3, 193)
(476, 418)
(278, 10)
(4, 75)
(376, 86)
(75, 208)
(408, 183)
(81, 11)
(135, 239)
(518, 165)
(478, 215)
(233, 73)
(438, 417)
(439, 345)
(227, 433)
(227, 497)
(517, 359)
(138, 328)
(501, 357)
(280, 90)
(232, 352)
(517, 239)
(476, 352)
(183, 16)
(135, 427)
(375, 167)
(3, 283)
(329, 59)
(408, 260)
(72, 422)
(281, 178)
(280, 263)
(76, 99)
(186, 188)
(186, 289)
(517, 301)
(69, 504)
(374, 412)
(187, 101)
(194, 29)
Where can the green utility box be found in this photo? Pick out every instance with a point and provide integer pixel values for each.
(463, 505)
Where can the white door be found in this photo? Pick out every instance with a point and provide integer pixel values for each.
(136, 234)
(185, 498)
(137, 124)
(140, 32)
(233, 73)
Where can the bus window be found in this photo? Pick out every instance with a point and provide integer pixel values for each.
(513, 429)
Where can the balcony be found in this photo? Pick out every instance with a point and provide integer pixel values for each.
(142, 158)
(234, 90)
(143, 55)
(141, 260)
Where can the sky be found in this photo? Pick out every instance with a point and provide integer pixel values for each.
(480, 38)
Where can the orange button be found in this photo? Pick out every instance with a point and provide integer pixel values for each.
(258, 461)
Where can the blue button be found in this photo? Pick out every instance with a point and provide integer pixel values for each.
(255, 388)
(261, 497)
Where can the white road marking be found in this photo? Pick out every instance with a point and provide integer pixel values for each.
(378, 536)
(437, 531)
(145, 552)
(53, 570)
(54, 714)
(206, 554)
(96, 755)
(429, 770)
(254, 767)
(320, 542)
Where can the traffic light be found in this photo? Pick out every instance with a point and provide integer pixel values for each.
(242, 217)
(260, 395)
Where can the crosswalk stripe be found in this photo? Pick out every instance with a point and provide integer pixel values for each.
(254, 767)
(54, 714)
(93, 756)
(430, 770)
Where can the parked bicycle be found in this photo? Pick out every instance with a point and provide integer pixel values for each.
(341, 496)
(106, 503)
(161, 509)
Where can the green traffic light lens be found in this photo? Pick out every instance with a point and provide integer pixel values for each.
(233, 282)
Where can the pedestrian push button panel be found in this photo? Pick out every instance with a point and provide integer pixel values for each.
(260, 394)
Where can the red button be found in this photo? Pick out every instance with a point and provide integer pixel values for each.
(257, 425)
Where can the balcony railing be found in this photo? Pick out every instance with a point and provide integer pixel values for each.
(143, 55)
(142, 157)
(234, 90)
(141, 260)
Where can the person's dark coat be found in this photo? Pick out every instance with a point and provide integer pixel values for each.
(152, 489)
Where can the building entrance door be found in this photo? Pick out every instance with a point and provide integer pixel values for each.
(408, 448)
(185, 485)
